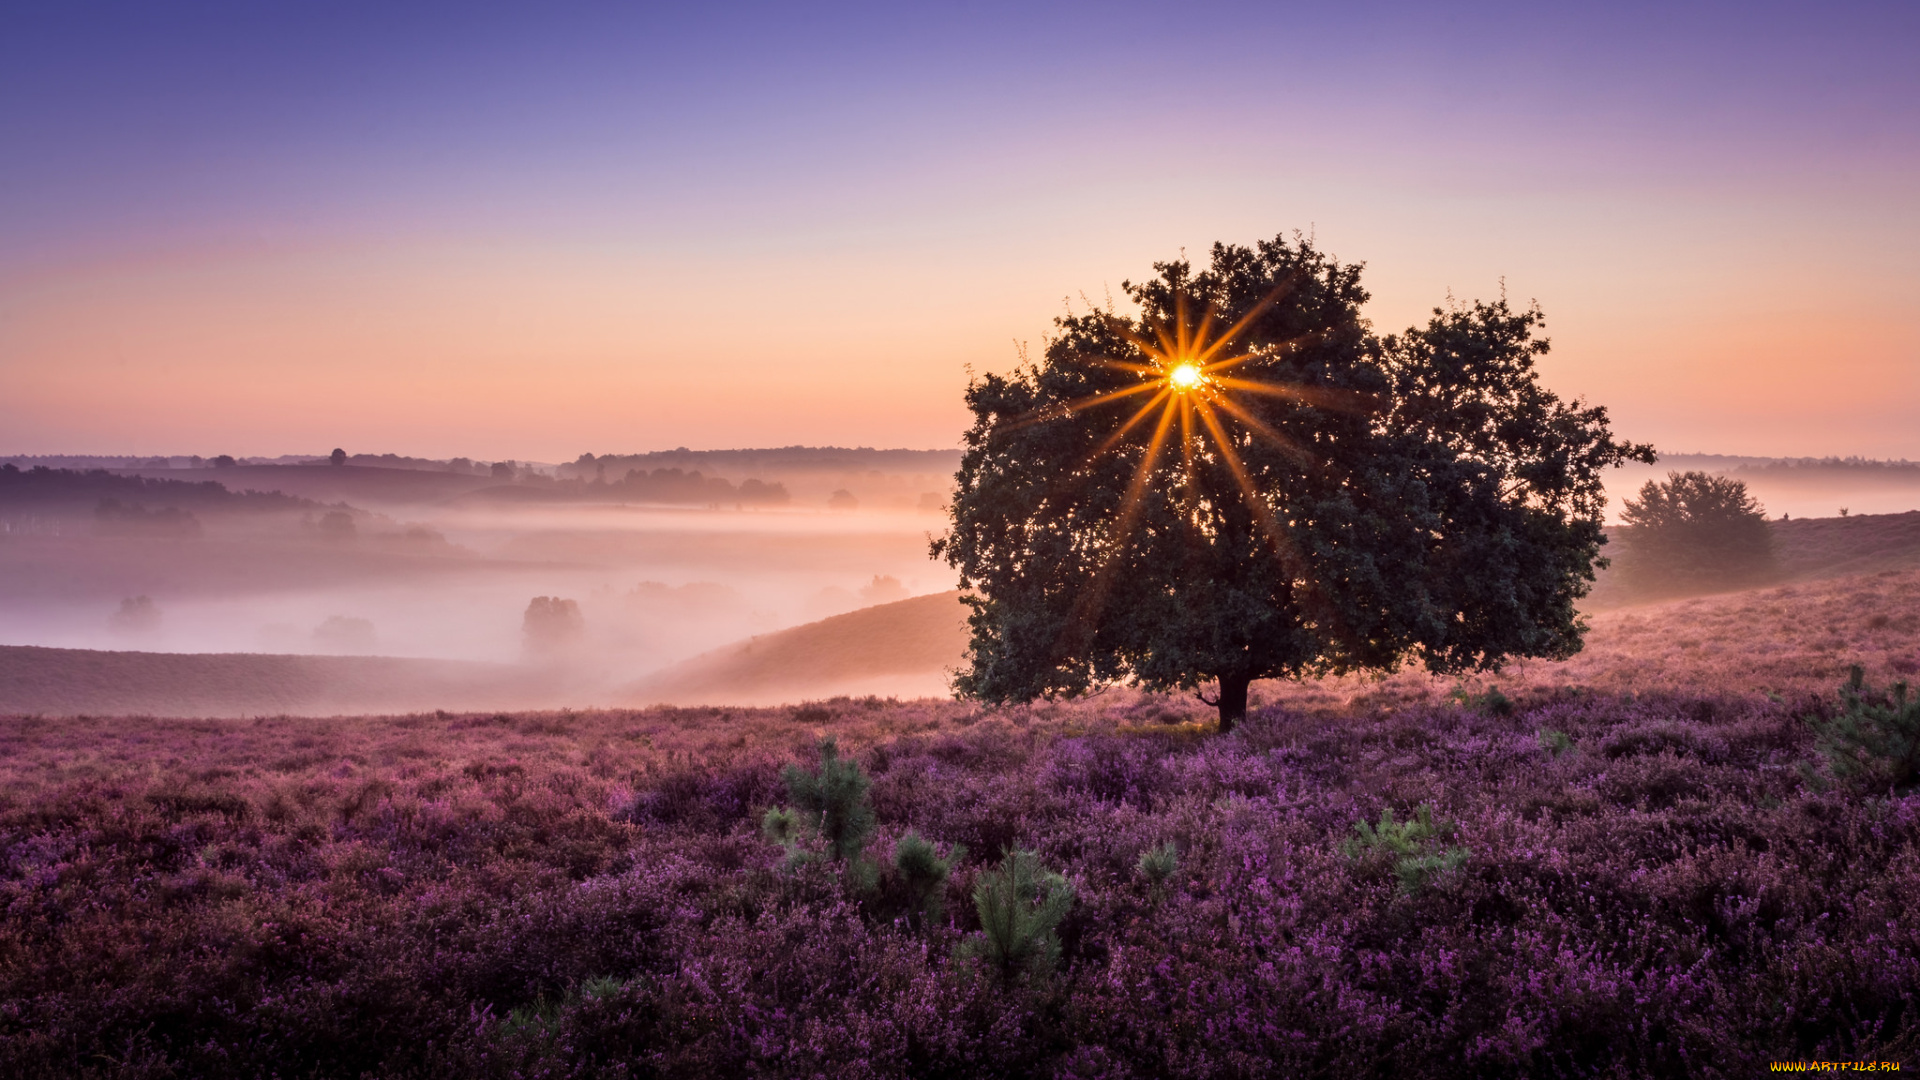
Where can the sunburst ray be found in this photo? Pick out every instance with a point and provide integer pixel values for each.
(1197, 382)
(1132, 422)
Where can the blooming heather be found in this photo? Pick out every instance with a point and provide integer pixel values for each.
(548, 896)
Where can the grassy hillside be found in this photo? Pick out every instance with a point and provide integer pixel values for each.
(1849, 594)
(903, 649)
(1848, 589)
(89, 682)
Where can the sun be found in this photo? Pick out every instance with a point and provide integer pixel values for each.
(1195, 384)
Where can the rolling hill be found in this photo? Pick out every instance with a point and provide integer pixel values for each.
(903, 649)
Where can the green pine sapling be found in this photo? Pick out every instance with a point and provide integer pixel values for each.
(1410, 847)
(921, 875)
(831, 805)
(1019, 904)
(1157, 865)
(1873, 743)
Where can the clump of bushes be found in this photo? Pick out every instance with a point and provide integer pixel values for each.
(831, 808)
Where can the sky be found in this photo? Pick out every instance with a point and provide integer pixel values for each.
(532, 231)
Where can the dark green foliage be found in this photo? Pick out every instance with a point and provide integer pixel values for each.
(832, 803)
(1019, 904)
(1696, 531)
(829, 806)
(1414, 497)
(1492, 702)
(1873, 742)
(920, 875)
(1556, 743)
(1410, 848)
(1157, 865)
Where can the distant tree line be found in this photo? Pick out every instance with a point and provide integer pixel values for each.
(675, 486)
(41, 487)
(112, 518)
(858, 459)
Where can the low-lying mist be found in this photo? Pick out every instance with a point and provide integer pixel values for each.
(570, 595)
(651, 587)
(458, 578)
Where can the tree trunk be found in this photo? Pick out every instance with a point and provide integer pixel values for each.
(1233, 700)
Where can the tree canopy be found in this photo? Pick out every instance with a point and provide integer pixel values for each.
(1242, 481)
(1696, 530)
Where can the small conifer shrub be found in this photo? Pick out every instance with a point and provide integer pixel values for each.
(1019, 904)
(920, 876)
(1490, 703)
(1411, 848)
(831, 804)
(1873, 742)
(1157, 865)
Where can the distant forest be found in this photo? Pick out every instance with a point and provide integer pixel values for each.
(1851, 469)
(784, 459)
(42, 488)
(672, 486)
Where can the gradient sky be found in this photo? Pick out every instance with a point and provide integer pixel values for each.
(531, 232)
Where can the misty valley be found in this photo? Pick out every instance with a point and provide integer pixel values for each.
(451, 563)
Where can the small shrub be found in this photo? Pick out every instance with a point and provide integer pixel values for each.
(1157, 865)
(832, 803)
(919, 876)
(1556, 743)
(1662, 737)
(1874, 741)
(1409, 847)
(1019, 904)
(1491, 703)
(1696, 531)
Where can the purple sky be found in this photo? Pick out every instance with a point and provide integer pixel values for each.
(493, 232)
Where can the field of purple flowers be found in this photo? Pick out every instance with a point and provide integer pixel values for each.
(1583, 886)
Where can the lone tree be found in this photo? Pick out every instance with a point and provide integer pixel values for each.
(1696, 530)
(1243, 482)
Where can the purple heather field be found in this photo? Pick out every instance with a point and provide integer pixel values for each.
(1611, 886)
